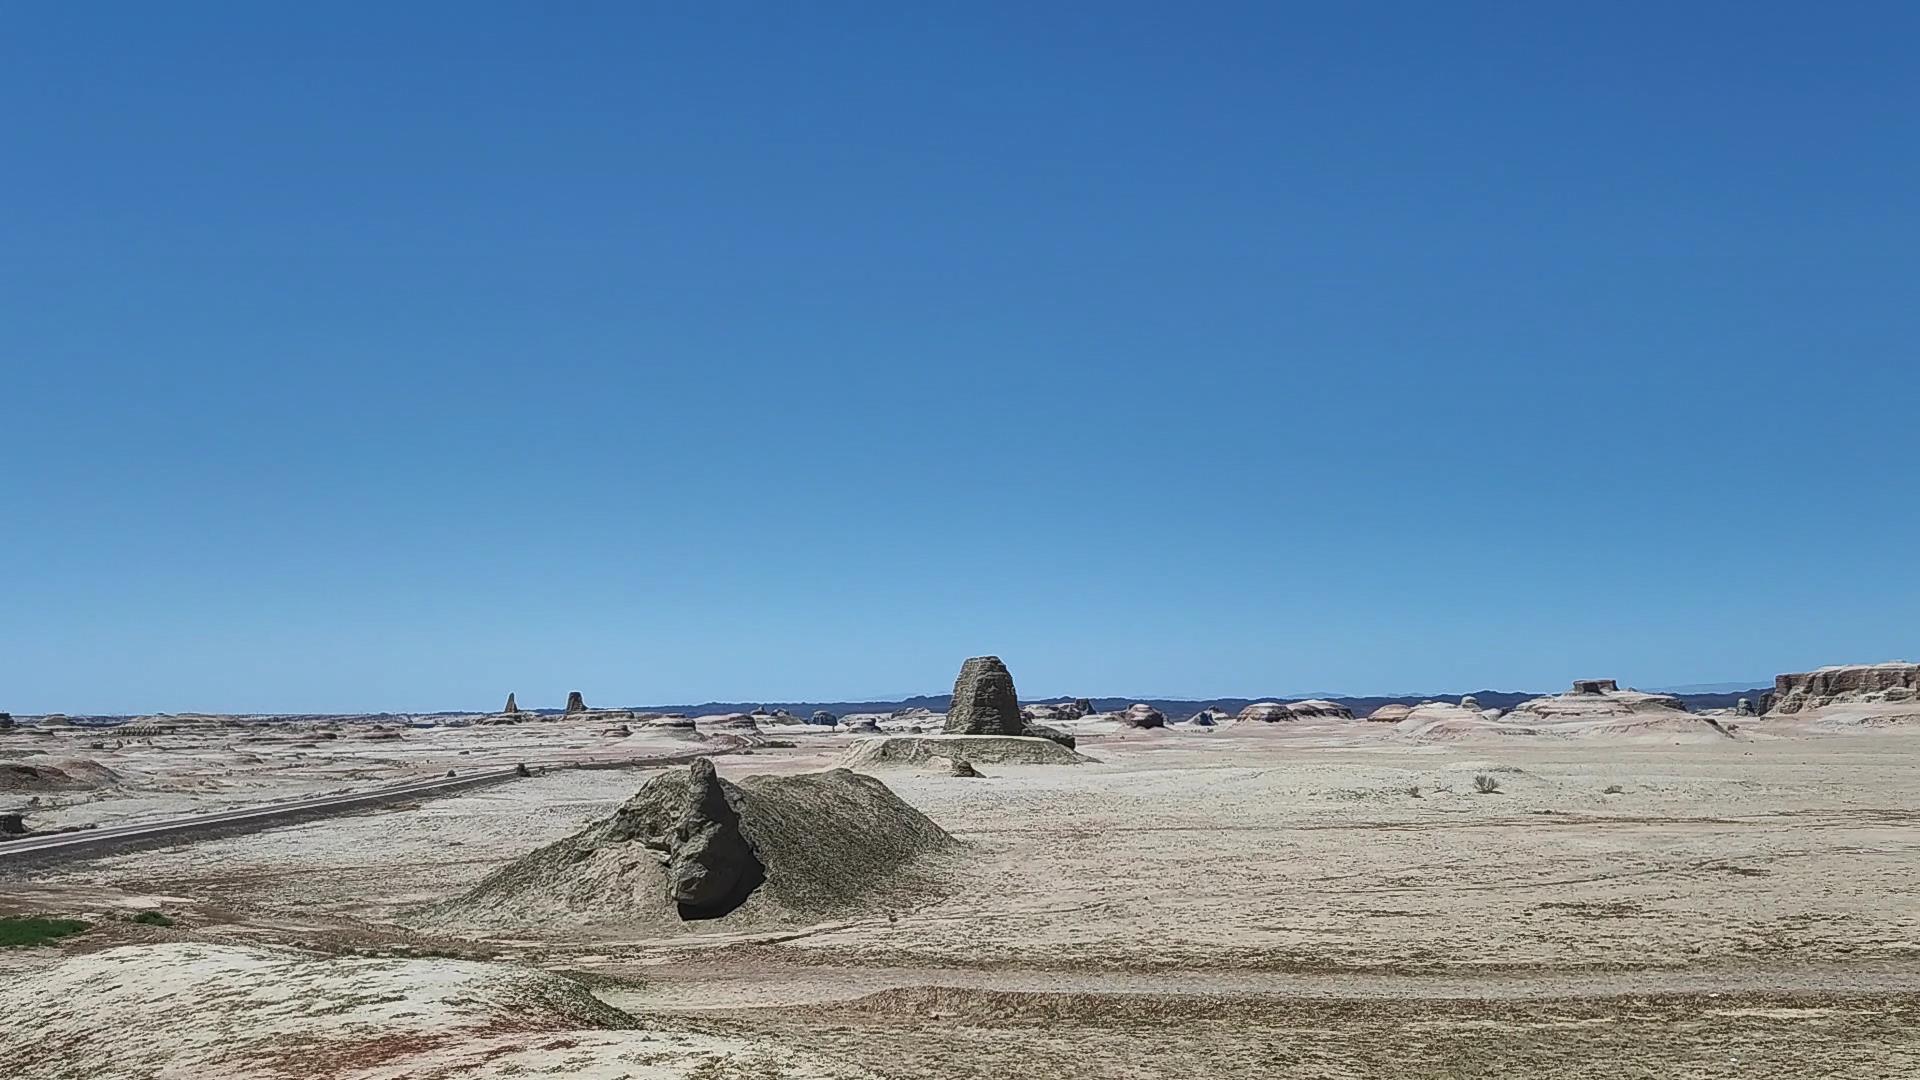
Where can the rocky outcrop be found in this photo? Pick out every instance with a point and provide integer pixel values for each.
(512, 705)
(1389, 714)
(1595, 686)
(6, 721)
(1743, 707)
(711, 867)
(917, 750)
(1898, 681)
(984, 702)
(859, 724)
(727, 724)
(823, 718)
(575, 703)
(1142, 716)
(676, 726)
(1470, 702)
(1054, 712)
(962, 767)
(1051, 734)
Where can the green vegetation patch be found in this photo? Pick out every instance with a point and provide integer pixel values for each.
(18, 930)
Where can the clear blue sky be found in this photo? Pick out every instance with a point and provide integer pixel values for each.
(398, 356)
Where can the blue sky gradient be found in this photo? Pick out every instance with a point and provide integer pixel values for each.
(397, 356)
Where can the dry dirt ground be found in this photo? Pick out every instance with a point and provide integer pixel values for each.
(1243, 903)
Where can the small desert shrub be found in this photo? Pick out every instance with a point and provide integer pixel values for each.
(153, 918)
(1414, 791)
(1486, 785)
(1613, 789)
(18, 930)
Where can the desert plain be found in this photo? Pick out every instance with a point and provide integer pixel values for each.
(1321, 896)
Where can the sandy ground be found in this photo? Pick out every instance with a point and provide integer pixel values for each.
(1242, 903)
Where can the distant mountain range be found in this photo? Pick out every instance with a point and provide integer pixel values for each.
(1696, 696)
(1709, 696)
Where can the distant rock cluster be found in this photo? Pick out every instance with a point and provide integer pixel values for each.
(1273, 712)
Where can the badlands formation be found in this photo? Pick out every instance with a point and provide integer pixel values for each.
(1600, 882)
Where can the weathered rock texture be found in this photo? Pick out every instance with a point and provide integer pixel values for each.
(823, 718)
(1390, 713)
(984, 702)
(1898, 681)
(576, 703)
(711, 867)
(1595, 686)
(1142, 716)
(512, 705)
(693, 845)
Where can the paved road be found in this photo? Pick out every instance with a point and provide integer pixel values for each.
(87, 838)
(56, 844)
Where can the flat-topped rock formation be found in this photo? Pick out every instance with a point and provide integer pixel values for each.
(675, 726)
(727, 724)
(1897, 681)
(904, 750)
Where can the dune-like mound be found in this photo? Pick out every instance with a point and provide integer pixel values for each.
(691, 846)
(228, 1011)
(1592, 710)
(903, 750)
(1440, 720)
(1389, 714)
(1274, 712)
(78, 774)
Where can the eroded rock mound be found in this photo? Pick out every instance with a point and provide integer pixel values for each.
(1142, 716)
(727, 724)
(692, 845)
(78, 774)
(711, 867)
(1389, 714)
(905, 750)
(575, 702)
(984, 702)
(1055, 712)
(1844, 684)
(512, 706)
